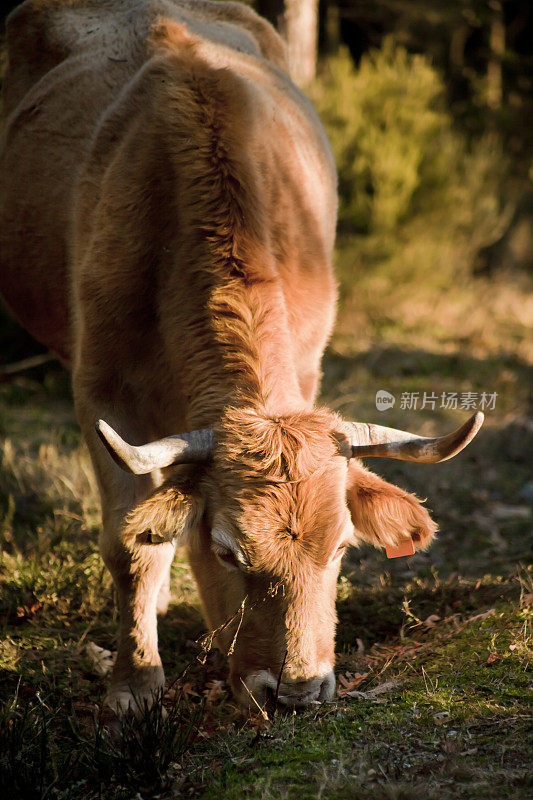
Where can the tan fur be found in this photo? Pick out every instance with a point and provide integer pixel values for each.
(167, 210)
(170, 512)
(383, 514)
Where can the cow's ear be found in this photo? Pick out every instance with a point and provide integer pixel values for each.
(170, 513)
(383, 514)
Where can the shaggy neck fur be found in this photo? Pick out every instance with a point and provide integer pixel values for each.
(237, 332)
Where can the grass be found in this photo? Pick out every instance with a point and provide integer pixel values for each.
(445, 636)
(51, 749)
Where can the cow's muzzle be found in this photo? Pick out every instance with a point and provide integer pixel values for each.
(261, 687)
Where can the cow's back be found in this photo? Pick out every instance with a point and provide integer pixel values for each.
(68, 64)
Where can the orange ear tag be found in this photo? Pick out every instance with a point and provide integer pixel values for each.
(405, 549)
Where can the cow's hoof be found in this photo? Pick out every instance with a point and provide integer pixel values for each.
(125, 700)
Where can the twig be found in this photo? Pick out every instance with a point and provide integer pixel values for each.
(26, 363)
(261, 710)
(280, 674)
(206, 640)
(232, 646)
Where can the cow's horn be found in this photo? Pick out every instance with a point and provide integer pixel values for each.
(182, 449)
(375, 440)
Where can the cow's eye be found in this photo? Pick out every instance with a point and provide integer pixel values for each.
(228, 558)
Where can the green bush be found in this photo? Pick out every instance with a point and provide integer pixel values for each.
(409, 182)
(382, 119)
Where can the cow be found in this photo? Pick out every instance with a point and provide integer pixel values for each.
(168, 209)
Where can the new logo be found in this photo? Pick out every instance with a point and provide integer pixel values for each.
(384, 400)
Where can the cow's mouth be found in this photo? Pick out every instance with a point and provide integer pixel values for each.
(261, 690)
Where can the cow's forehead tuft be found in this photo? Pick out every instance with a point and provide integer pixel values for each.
(308, 515)
(254, 446)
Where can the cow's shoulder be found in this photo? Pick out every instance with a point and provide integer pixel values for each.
(43, 34)
(270, 45)
(32, 49)
(47, 31)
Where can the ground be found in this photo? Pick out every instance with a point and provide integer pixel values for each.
(433, 650)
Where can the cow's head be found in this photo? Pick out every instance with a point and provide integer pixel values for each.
(267, 515)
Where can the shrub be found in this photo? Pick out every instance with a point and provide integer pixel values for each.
(410, 184)
(381, 119)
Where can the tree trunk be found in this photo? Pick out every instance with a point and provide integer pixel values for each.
(497, 51)
(301, 22)
(297, 22)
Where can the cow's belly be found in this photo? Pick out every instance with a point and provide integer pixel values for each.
(45, 143)
(33, 275)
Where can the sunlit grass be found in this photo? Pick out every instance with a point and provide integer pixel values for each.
(454, 726)
(451, 629)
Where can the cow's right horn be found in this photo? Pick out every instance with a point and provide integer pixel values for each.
(182, 449)
(375, 440)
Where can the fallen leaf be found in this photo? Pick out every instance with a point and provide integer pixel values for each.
(350, 681)
(451, 746)
(214, 691)
(189, 690)
(484, 615)
(101, 660)
(383, 688)
(493, 658)
(370, 694)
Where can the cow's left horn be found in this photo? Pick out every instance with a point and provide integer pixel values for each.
(375, 440)
(182, 449)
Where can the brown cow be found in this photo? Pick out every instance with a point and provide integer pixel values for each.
(168, 204)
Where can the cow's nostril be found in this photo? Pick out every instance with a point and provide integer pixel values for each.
(304, 693)
(262, 690)
(299, 700)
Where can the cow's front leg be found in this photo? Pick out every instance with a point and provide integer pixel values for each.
(140, 571)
